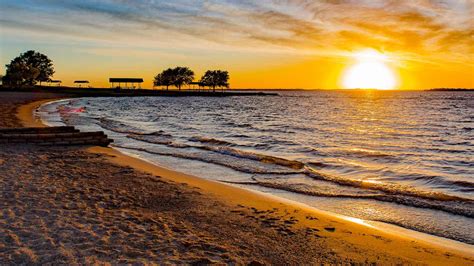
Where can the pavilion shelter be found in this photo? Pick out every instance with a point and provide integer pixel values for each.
(126, 83)
(56, 83)
(79, 83)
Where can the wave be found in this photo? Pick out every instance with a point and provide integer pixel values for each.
(422, 228)
(436, 180)
(211, 141)
(384, 186)
(300, 167)
(120, 127)
(151, 138)
(303, 189)
(293, 164)
(387, 192)
(368, 153)
(240, 125)
(459, 207)
(256, 156)
(213, 160)
(321, 165)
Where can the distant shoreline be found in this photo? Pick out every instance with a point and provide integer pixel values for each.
(109, 92)
(451, 89)
(299, 89)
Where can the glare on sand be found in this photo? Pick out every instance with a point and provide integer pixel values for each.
(369, 72)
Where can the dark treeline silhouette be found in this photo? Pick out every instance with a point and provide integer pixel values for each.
(180, 76)
(32, 67)
(215, 78)
(177, 77)
(28, 69)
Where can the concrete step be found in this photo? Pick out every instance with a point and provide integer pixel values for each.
(104, 142)
(54, 136)
(38, 130)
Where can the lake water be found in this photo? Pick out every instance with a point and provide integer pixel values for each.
(405, 158)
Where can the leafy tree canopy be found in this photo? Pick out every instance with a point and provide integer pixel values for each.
(28, 69)
(215, 78)
(182, 76)
(177, 76)
(165, 78)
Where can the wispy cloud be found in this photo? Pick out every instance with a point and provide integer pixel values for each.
(420, 27)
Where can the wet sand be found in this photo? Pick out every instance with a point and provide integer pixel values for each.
(10, 102)
(95, 205)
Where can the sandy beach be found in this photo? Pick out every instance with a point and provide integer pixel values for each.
(84, 205)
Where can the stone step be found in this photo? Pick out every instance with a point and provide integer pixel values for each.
(54, 136)
(104, 142)
(46, 137)
(39, 140)
(101, 141)
(38, 130)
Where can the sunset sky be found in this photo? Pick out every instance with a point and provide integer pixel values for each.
(263, 44)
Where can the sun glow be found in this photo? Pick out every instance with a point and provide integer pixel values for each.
(369, 72)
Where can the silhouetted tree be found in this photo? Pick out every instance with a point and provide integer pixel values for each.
(182, 76)
(177, 76)
(165, 78)
(215, 78)
(158, 80)
(28, 69)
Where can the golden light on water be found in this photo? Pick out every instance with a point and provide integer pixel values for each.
(358, 221)
(370, 71)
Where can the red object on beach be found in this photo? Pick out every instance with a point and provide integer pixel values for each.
(72, 110)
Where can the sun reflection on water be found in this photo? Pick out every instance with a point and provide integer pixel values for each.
(358, 221)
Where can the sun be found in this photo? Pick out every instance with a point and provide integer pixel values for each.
(369, 72)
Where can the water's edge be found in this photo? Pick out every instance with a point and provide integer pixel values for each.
(387, 227)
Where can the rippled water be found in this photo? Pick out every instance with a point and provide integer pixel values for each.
(401, 157)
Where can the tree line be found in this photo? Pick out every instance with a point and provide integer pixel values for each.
(180, 76)
(32, 67)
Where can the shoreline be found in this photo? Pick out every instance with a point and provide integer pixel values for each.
(234, 195)
(117, 156)
(403, 241)
(26, 113)
(109, 92)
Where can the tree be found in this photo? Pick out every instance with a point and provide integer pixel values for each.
(165, 78)
(177, 76)
(215, 78)
(28, 69)
(182, 76)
